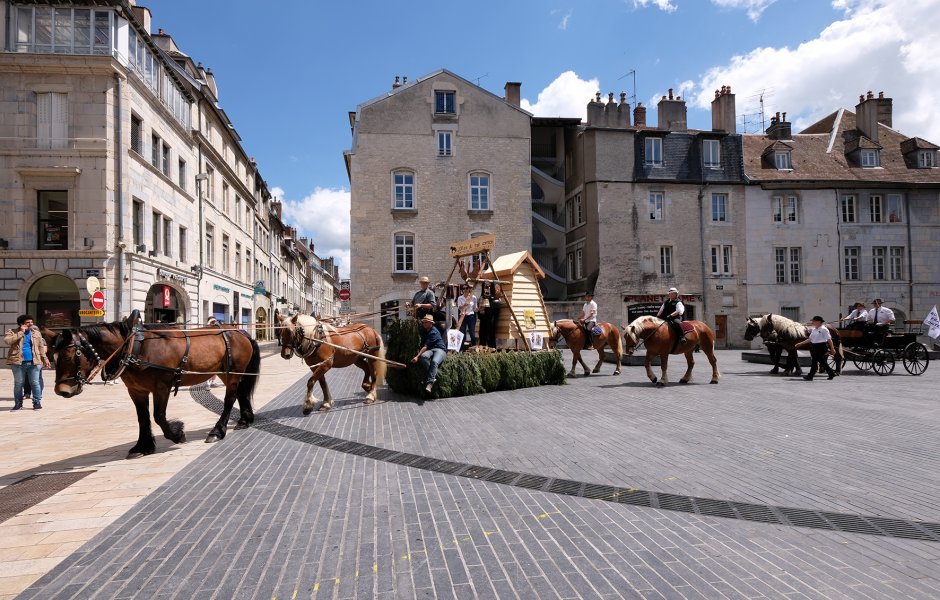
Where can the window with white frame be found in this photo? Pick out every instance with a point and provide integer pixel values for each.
(654, 151)
(869, 159)
(479, 191)
(894, 208)
(927, 159)
(876, 209)
(850, 263)
(165, 160)
(782, 160)
(155, 148)
(788, 264)
(167, 236)
(574, 210)
(404, 253)
(791, 312)
(404, 189)
(711, 153)
(896, 262)
(665, 260)
(137, 142)
(848, 209)
(721, 259)
(719, 208)
(579, 263)
(52, 120)
(444, 143)
(785, 209)
(238, 210)
(238, 260)
(225, 254)
(210, 244)
(445, 102)
(656, 206)
(62, 30)
(878, 262)
(156, 219)
(225, 197)
(182, 173)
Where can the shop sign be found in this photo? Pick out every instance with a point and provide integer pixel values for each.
(166, 296)
(88, 312)
(473, 245)
(164, 274)
(259, 288)
(248, 296)
(660, 298)
(221, 288)
(92, 272)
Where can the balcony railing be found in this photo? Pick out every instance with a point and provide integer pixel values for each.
(25, 143)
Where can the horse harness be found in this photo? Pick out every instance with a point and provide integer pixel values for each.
(319, 334)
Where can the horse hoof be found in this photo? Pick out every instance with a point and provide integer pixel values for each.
(713, 381)
(596, 371)
(241, 425)
(325, 408)
(654, 379)
(134, 454)
(307, 411)
(660, 384)
(212, 438)
(683, 381)
(617, 372)
(181, 439)
(366, 387)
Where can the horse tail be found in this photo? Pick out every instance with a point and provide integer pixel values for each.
(380, 365)
(246, 387)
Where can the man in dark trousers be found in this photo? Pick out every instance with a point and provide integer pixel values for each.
(671, 311)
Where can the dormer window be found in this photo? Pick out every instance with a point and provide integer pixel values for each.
(782, 159)
(445, 103)
(869, 159)
(654, 151)
(927, 159)
(711, 153)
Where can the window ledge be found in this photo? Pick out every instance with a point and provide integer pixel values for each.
(405, 212)
(407, 274)
(482, 213)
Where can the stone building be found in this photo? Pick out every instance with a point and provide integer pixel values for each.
(120, 165)
(845, 211)
(433, 161)
(657, 207)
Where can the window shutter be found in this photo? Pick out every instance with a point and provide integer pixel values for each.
(52, 123)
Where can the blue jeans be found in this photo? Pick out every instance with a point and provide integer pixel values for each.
(468, 328)
(27, 370)
(431, 360)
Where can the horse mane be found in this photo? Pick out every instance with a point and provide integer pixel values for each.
(785, 328)
(93, 332)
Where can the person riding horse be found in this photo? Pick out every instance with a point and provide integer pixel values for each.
(671, 311)
(588, 318)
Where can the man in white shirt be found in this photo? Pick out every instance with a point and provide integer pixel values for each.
(589, 317)
(880, 316)
(857, 318)
(671, 311)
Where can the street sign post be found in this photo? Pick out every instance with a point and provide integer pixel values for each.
(344, 294)
(97, 300)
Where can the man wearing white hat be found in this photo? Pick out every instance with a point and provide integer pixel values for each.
(424, 300)
(671, 311)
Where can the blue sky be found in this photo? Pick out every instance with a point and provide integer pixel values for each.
(289, 72)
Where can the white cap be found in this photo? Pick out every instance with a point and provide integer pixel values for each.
(673, 290)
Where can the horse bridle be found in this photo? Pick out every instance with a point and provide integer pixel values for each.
(81, 342)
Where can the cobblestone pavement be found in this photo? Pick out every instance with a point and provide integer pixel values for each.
(272, 513)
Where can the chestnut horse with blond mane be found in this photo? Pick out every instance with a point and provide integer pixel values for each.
(660, 340)
(575, 338)
(323, 346)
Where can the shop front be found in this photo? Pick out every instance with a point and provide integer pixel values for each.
(54, 301)
(165, 304)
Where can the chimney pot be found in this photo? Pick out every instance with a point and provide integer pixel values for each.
(880, 94)
(861, 98)
(160, 31)
(784, 116)
(670, 93)
(870, 95)
(404, 79)
(717, 93)
(623, 97)
(597, 97)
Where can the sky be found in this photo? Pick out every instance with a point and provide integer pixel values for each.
(290, 72)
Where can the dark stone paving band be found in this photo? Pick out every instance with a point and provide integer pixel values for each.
(760, 513)
(30, 491)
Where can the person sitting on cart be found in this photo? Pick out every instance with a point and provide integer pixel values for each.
(880, 320)
(857, 318)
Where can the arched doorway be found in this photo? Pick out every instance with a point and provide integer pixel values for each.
(165, 304)
(54, 302)
(261, 323)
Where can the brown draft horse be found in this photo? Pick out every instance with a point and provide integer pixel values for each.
(659, 339)
(155, 359)
(574, 336)
(305, 335)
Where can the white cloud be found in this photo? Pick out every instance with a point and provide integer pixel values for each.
(563, 25)
(323, 218)
(754, 7)
(665, 5)
(879, 45)
(567, 96)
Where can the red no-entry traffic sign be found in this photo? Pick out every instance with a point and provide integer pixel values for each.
(344, 294)
(97, 300)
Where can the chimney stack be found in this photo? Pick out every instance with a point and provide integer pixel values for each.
(639, 115)
(210, 79)
(871, 111)
(610, 111)
(397, 83)
(723, 112)
(780, 128)
(623, 111)
(143, 16)
(595, 111)
(513, 92)
(672, 113)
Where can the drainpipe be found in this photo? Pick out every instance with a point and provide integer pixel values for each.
(839, 266)
(910, 257)
(701, 238)
(119, 194)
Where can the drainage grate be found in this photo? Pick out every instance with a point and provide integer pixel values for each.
(758, 513)
(30, 491)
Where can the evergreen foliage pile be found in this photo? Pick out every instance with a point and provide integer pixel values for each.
(468, 373)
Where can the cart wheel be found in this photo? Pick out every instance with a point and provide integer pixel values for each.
(882, 362)
(833, 361)
(915, 358)
(862, 361)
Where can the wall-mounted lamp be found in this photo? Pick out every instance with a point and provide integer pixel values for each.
(4, 244)
(89, 243)
(141, 247)
(196, 268)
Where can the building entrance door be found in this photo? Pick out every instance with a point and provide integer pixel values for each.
(721, 331)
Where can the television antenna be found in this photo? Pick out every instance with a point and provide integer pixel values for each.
(479, 78)
(760, 96)
(628, 74)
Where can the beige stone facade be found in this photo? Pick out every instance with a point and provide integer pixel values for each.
(399, 134)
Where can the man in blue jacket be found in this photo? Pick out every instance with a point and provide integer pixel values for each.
(432, 352)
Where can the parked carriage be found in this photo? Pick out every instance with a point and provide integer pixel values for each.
(880, 350)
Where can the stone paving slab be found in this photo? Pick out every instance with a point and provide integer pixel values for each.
(265, 515)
